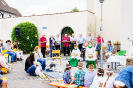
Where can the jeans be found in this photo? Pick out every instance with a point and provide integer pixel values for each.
(80, 47)
(43, 63)
(43, 50)
(31, 70)
(13, 55)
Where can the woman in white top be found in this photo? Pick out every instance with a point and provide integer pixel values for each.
(57, 42)
(39, 58)
(98, 80)
(75, 56)
(90, 55)
(108, 81)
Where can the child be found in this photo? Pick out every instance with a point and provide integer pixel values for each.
(90, 55)
(98, 79)
(67, 77)
(52, 66)
(95, 45)
(89, 76)
(75, 56)
(79, 75)
(108, 82)
(38, 71)
(125, 77)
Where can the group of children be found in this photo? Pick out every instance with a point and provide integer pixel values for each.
(89, 79)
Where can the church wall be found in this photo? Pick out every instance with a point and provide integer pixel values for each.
(111, 19)
(54, 23)
(126, 24)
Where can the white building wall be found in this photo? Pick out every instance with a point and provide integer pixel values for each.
(126, 24)
(111, 19)
(90, 5)
(54, 23)
(7, 14)
(91, 27)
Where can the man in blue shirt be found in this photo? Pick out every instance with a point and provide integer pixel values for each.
(81, 41)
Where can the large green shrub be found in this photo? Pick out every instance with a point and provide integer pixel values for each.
(27, 29)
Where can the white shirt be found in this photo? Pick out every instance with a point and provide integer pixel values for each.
(58, 40)
(95, 46)
(109, 83)
(90, 51)
(73, 39)
(97, 80)
(76, 51)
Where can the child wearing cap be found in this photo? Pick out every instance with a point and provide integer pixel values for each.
(108, 81)
(89, 76)
(98, 79)
(38, 71)
(79, 75)
(51, 67)
(67, 77)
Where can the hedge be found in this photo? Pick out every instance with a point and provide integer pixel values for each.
(29, 36)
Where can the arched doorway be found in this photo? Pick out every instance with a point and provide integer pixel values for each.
(66, 30)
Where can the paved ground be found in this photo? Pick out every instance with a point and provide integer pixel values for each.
(17, 78)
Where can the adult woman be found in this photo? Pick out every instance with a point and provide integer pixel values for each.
(52, 45)
(40, 58)
(125, 77)
(29, 64)
(58, 42)
(90, 55)
(19, 53)
(10, 51)
(109, 49)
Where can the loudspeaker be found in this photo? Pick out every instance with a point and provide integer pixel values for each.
(18, 31)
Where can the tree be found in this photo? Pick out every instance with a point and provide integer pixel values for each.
(29, 36)
(74, 10)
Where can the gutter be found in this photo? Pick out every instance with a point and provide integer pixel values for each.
(8, 11)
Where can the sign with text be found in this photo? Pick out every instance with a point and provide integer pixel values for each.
(44, 27)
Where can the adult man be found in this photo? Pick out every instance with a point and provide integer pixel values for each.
(81, 41)
(43, 42)
(89, 38)
(57, 42)
(66, 41)
(73, 40)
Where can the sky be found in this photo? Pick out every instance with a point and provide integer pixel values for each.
(37, 7)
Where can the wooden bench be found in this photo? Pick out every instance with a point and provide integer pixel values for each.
(63, 85)
(52, 75)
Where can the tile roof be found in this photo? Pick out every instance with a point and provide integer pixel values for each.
(5, 7)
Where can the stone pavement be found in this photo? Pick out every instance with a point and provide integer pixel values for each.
(18, 78)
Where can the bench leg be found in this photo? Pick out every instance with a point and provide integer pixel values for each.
(56, 79)
(46, 78)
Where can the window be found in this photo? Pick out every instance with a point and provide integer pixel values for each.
(3, 3)
(1, 15)
(10, 15)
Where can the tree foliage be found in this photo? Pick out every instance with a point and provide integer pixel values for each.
(29, 36)
(74, 10)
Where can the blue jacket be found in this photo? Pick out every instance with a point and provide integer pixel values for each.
(126, 76)
(111, 48)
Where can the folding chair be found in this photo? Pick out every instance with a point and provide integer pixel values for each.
(52, 75)
(56, 52)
